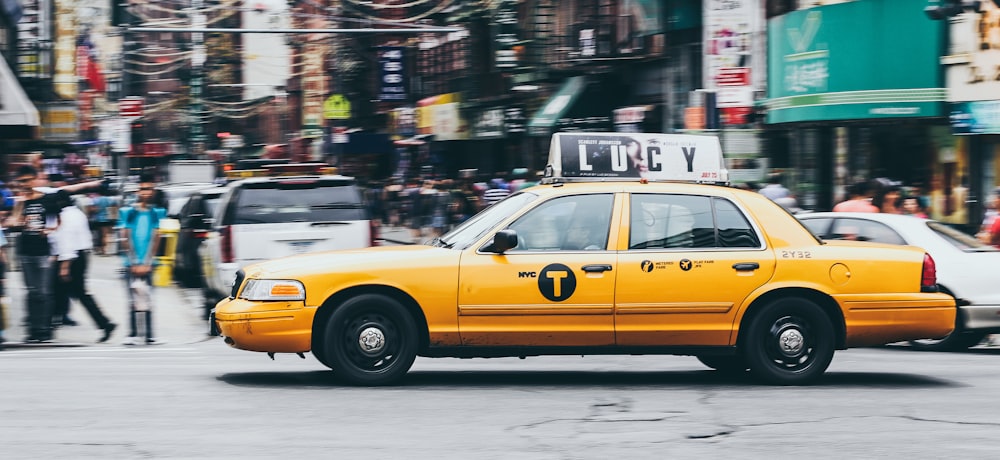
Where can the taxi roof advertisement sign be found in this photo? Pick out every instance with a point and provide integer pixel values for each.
(656, 157)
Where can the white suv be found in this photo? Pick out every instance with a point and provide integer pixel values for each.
(264, 218)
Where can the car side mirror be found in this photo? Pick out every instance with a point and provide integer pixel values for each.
(504, 240)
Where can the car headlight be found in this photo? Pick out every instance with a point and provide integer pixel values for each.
(261, 290)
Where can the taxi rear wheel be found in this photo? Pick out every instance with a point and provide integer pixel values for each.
(733, 364)
(789, 342)
(370, 340)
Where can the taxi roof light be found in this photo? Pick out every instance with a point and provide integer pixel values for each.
(649, 157)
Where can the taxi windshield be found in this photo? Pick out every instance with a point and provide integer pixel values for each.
(478, 225)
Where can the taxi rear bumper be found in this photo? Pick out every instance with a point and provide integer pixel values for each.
(878, 320)
(258, 326)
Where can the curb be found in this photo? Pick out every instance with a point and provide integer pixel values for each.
(7, 345)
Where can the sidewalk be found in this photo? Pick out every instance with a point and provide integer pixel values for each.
(177, 314)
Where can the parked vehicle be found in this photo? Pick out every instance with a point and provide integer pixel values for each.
(262, 218)
(966, 268)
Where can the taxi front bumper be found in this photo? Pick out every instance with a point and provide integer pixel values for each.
(278, 327)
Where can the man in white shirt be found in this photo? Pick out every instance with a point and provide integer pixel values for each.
(72, 242)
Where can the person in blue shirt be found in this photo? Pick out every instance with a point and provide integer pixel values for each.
(139, 227)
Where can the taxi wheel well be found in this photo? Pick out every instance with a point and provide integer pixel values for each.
(326, 310)
(824, 301)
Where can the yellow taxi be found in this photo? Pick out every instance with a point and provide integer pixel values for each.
(628, 247)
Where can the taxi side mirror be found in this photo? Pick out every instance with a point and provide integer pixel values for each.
(504, 240)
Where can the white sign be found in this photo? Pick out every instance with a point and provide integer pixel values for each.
(119, 130)
(974, 65)
(729, 31)
(655, 157)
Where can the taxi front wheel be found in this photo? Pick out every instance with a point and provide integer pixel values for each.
(789, 342)
(370, 340)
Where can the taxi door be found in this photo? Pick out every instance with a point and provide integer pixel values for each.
(555, 288)
(690, 262)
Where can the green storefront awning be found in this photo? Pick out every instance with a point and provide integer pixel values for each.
(557, 106)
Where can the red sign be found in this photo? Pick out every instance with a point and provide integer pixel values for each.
(733, 76)
(131, 107)
(734, 115)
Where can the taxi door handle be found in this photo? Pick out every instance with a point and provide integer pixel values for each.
(597, 268)
(740, 266)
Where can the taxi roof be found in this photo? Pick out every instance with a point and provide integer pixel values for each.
(654, 157)
(613, 186)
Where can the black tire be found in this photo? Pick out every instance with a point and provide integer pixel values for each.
(730, 364)
(956, 341)
(806, 332)
(370, 340)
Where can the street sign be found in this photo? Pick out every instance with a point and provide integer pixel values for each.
(131, 107)
(337, 107)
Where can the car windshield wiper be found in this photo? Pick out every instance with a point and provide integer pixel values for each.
(440, 243)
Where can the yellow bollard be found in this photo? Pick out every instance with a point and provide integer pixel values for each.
(163, 274)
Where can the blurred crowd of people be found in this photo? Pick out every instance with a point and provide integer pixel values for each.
(885, 196)
(52, 228)
(430, 207)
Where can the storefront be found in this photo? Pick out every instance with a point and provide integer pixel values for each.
(974, 107)
(19, 118)
(855, 92)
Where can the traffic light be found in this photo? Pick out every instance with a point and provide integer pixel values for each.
(949, 8)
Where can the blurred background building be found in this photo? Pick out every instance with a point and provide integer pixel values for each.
(826, 92)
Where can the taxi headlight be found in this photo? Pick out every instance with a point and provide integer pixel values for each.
(261, 290)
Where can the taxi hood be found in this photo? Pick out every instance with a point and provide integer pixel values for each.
(351, 260)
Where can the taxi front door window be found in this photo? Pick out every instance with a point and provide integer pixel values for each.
(578, 222)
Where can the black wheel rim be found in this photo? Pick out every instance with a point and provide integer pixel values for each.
(791, 344)
(371, 342)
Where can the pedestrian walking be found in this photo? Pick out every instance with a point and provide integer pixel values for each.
(73, 244)
(496, 192)
(34, 217)
(860, 199)
(139, 227)
(775, 189)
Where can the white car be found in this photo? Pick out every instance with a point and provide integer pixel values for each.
(966, 268)
(263, 218)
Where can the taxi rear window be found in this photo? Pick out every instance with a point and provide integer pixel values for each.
(279, 203)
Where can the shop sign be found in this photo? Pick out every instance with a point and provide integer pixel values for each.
(427, 114)
(131, 107)
(489, 124)
(337, 107)
(514, 120)
(64, 80)
(629, 119)
(60, 122)
(976, 117)
(694, 118)
(448, 122)
(392, 74)
(506, 39)
(822, 64)
(404, 121)
(730, 26)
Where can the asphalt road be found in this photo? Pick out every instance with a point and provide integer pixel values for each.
(204, 400)
(197, 398)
